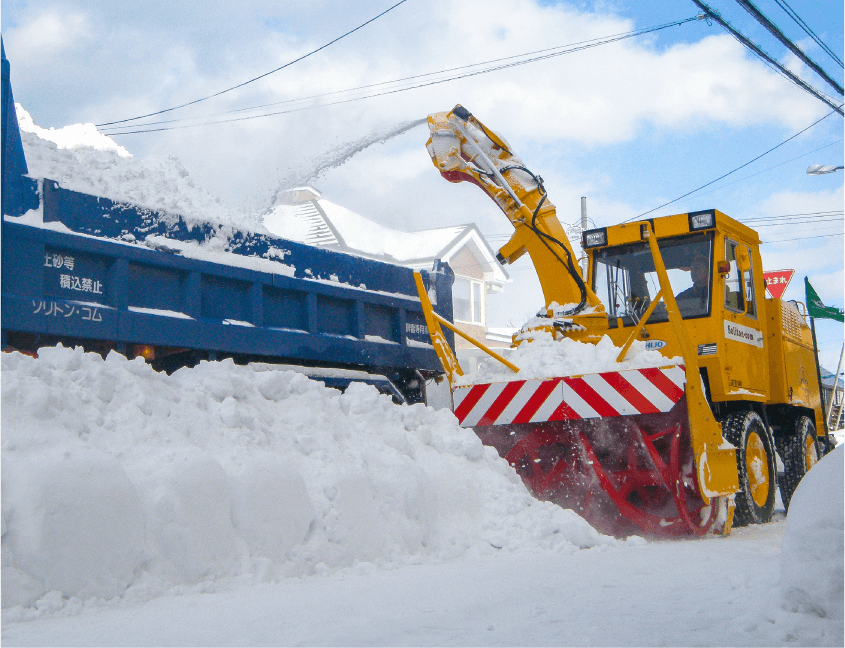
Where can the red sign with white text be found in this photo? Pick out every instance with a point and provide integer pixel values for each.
(777, 281)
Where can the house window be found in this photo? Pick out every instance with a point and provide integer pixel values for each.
(476, 302)
(468, 300)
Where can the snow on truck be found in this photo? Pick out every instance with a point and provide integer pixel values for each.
(646, 410)
(83, 270)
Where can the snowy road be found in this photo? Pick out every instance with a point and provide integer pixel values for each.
(713, 592)
(248, 506)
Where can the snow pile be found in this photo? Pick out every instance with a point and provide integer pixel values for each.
(545, 357)
(215, 250)
(119, 481)
(812, 565)
(70, 137)
(80, 158)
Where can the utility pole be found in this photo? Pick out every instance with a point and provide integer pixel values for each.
(833, 392)
(5, 107)
(583, 229)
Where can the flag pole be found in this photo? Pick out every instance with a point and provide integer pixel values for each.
(819, 378)
(835, 383)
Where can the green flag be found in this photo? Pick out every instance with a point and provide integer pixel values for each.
(816, 308)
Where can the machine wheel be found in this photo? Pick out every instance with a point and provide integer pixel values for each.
(800, 452)
(755, 459)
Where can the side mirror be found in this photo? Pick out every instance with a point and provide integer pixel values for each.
(743, 260)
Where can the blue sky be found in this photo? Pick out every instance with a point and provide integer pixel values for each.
(630, 125)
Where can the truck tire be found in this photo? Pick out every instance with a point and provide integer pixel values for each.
(755, 462)
(800, 452)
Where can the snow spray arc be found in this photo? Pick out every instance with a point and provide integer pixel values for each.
(336, 157)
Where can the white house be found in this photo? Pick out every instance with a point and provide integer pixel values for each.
(303, 215)
(832, 396)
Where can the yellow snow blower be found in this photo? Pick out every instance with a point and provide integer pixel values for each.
(670, 450)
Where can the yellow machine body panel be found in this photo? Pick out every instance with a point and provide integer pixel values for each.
(751, 348)
(794, 380)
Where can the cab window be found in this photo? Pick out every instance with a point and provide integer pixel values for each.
(626, 281)
(739, 286)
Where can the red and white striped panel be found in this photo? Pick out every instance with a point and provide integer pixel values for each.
(616, 393)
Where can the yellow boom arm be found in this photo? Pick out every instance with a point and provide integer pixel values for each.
(463, 149)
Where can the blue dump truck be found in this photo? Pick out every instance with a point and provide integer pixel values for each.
(82, 270)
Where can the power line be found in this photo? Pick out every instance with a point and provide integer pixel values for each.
(689, 193)
(792, 47)
(792, 228)
(261, 76)
(807, 217)
(829, 212)
(791, 13)
(799, 222)
(797, 217)
(572, 49)
(785, 220)
(712, 13)
(728, 184)
(579, 45)
(821, 8)
(803, 238)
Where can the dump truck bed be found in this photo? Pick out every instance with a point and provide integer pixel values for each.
(87, 270)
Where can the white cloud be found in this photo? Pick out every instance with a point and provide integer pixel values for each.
(790, 201)
(821, 259)
(598, 100)
(48, 35)
(607, 95)
(597, 97)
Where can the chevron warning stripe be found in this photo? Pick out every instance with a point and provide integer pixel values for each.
(616, 393)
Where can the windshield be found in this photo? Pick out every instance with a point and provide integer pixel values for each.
(625, 280)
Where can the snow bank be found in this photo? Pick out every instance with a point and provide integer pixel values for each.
(119, 481)
(812, 569)
(80, 158)
(545, 357)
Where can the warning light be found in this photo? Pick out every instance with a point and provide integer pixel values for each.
(145, 351)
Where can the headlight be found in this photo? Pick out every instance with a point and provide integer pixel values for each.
(594, 238)
(702, 220)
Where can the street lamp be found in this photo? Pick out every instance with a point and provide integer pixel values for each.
(818, 169)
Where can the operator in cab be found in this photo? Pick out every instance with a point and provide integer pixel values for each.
(695, 299)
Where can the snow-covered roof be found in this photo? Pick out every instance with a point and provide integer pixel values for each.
(303, 215)
(827, 379)
(362, 234)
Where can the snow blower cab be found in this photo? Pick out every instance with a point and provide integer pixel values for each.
(755, 355)
(669, 448)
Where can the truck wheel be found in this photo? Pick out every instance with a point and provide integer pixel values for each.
(800, 453)
(755, 460)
